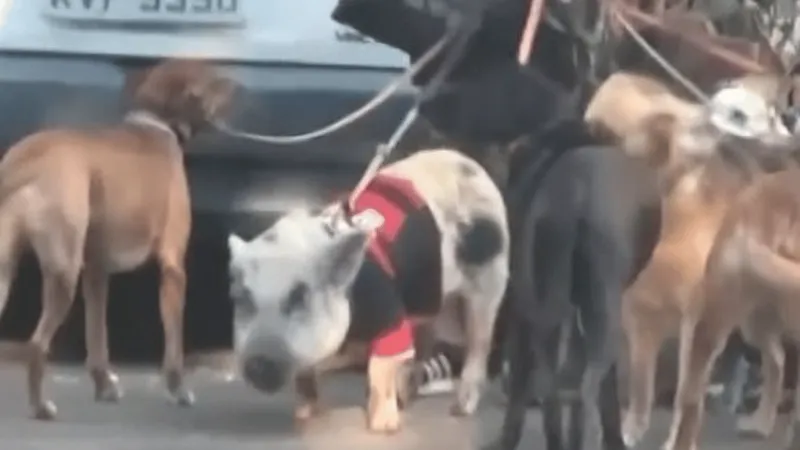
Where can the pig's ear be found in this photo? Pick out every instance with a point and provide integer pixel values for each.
(235, 245)
(342, 260)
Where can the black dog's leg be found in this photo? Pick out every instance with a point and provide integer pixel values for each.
(600, 317)
(552, 406)
(610, 411)
(521, 365)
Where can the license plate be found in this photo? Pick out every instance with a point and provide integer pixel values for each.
(187, 12)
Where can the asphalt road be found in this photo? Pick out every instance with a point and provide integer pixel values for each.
(230, 416)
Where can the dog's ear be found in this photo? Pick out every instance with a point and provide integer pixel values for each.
(214, 94)
(188, 92)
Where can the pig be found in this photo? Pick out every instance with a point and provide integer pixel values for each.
(428, 237)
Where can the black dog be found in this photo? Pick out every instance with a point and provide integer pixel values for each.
(584, 216)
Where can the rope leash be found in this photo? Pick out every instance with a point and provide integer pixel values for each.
(653, 53)
(381, 154)
(383, 151)
(529, 32)
(672, 71)
(354, 116)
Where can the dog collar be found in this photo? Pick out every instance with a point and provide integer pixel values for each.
(151, 120)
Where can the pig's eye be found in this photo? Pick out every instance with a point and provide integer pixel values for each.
(243, 304)
(296, 299)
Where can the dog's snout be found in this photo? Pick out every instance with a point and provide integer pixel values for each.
(264, 374)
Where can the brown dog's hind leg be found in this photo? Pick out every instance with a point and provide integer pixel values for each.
(773, 360)
(171, 302)
(10, 246)
(58, 294)
(95, 296)
(703, 336)
(645, 338)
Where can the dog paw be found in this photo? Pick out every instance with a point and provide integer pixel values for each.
(183, 397)
(107, 387)
(754, 426)
(384, 420)
(466, 401)
(46, 410)
(632, 431)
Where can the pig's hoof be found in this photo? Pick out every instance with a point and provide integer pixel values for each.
(384, 420)
(303, 414)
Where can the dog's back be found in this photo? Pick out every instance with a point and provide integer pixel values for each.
(625, 100)
(123, 178)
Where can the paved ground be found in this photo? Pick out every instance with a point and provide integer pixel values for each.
(230, 416)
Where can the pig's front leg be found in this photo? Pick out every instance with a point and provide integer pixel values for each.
(307, 404)
(388, 354)
(383, 412)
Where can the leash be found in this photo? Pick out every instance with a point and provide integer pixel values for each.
(354, 116)
(381, 154)
(653, 53)
(383, 151)
(720, 52)
(671, 70)
(529, 32)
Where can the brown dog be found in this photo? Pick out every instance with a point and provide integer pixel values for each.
(753, 282)
(701, 172)
(92, 203)
(624, 101)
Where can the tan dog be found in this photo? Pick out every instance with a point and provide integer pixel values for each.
(753, 282)
(701, 172)
(622, 104)
(92, 203)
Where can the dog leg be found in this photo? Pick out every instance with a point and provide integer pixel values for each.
(9, 254)
(601, 338)
(481, 306)
(57, 296)
(773, 360)
(172, 293)
(383, 414)
(545, 379)
(307, 390)
(521, 363)
(644, 341)
(95, 296)
(793, 432)
(701, 343)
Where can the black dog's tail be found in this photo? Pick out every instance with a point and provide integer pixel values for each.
(530, 165)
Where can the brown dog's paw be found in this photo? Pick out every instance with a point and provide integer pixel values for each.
(45, 411)
(107, 388)
(753, 426)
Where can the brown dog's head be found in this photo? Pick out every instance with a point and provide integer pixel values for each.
(189, 95)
